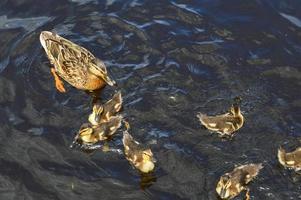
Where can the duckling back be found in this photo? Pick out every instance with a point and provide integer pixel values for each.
(128, 141)
(106, 129)
(113, 106)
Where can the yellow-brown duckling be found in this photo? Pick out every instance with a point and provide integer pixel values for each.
(89, 135)
(73, 63)
(232, 183)
(102, 113)
(137, 154)
(291, 160)
(225, 124)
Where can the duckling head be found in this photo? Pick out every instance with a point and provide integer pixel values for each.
(94, 117)
(99, 69)
(235, 108)
(85, 135)
(148, 163)
(223, 187)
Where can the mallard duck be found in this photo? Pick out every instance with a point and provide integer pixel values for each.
(232, 183)
(290, 160)
(102, 113)
(137, 154)
(89, 135)
(74, 64)
(225, 124)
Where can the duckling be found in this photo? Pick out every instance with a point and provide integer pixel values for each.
(290, 160)
(88, 135)
(73, 63)
(232, 183)
(102, 113)
(137, 154)
(225, 124)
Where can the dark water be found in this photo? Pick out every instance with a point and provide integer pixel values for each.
(171, 59)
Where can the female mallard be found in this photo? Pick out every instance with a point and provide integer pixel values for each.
(103, 112)
(74, 64)
(233, 183)
(88, 135)
(137, 154)
(290, 160)
(225, 124)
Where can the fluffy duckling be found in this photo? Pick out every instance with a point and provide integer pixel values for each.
(137, 154)
(73, 63)
(225, 124)
(88, 135)
(102, 113)
(290, 160)
(232, 183)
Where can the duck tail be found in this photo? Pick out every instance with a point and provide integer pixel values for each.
(281, 156)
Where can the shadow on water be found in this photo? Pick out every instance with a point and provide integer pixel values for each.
(171, 59)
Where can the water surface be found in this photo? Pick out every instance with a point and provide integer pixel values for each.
(171, 59)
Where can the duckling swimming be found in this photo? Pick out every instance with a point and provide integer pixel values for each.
(290, 160)
(137, 154)
(102, 113)
(88, 135)
(232, 183)
(225, 124)
(75, 64)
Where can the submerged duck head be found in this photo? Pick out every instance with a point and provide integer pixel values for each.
(99, 69)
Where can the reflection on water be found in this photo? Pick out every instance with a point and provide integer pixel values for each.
(171, 59)
(146, 180)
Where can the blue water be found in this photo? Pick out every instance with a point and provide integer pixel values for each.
(171, 59)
